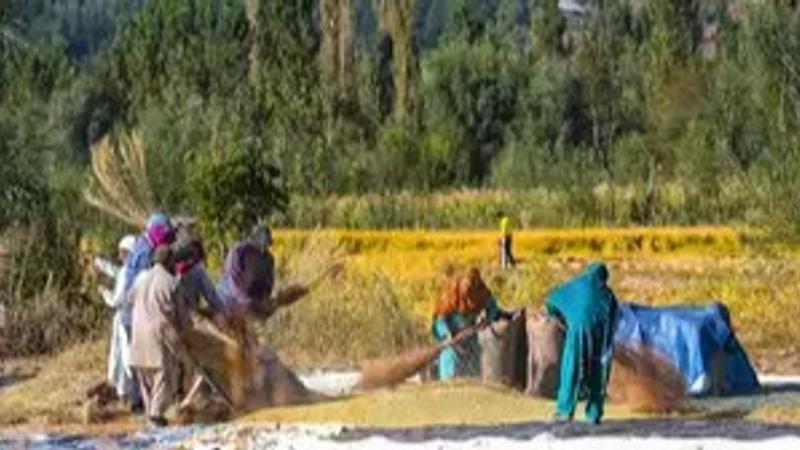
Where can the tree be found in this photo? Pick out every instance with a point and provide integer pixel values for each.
(337, 51)
(599, 61)
(475, 89)
(549, 28)
(232, 182)
(397, 22)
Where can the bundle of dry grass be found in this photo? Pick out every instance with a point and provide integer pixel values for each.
(391, 371)
(645, 381)
(313, 262)
(119, 185)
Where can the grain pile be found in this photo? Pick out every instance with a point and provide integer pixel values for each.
(645, 381)
(250, 375)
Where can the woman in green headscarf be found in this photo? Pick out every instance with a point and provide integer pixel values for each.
(587, 306)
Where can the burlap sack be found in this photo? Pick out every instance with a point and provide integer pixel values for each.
(545, 340)
(503, 349)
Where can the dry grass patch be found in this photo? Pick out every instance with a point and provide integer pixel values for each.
(57, 393)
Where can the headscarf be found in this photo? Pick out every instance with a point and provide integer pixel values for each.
(194, 254)
(157, 219)
(127, 243)
(261, 236)
(159, 230)
(464, 294)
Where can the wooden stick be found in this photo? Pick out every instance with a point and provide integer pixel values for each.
(187, 400)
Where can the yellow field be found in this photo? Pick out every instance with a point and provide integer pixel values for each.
(394, 277)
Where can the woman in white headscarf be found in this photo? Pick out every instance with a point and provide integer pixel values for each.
(119, 371)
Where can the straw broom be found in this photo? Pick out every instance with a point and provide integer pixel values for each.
(391, 371)
(119, 185)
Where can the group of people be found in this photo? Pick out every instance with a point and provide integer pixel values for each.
(160, 284)
(585, 306)
(162, 281)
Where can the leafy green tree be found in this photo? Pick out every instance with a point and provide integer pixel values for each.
(475, 87)
(233, 187)
(549, 29)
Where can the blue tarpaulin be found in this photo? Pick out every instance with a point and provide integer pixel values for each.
(691, 337)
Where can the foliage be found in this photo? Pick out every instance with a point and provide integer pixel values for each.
(630, 113)
(232, 190)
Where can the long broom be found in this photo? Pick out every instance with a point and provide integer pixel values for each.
(391, 371)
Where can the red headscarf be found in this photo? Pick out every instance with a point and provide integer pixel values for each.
(464, 294)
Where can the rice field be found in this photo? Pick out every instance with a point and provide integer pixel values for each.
(394, 277)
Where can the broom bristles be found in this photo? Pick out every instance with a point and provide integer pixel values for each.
(119, 184)
(388, 372)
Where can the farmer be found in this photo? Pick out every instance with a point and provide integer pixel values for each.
(158, 231)
(245, 286)
(506, 256)
(194, 284)
(119, 372)
(160, 317)
(194, 278)
(245, 291)
(586, 306)
(465, 302)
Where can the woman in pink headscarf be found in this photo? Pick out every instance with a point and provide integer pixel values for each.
(158, 231)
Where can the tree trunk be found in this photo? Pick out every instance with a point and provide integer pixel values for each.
(397, 20)
(251, 9)
(336, 49)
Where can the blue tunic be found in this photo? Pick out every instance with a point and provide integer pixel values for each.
(587, 306)
(452, 363)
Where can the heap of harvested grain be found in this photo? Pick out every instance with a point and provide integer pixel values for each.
(645, 381)
(250, 376)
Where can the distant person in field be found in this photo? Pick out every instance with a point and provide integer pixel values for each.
(586, 305)
(160, 317)
(120, 374)
(506, 241)
(466, 300)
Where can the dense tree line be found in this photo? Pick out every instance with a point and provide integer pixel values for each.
(666, 111)
(634, 101)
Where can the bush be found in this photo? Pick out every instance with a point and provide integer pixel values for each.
(47, 302)
(635, 203)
